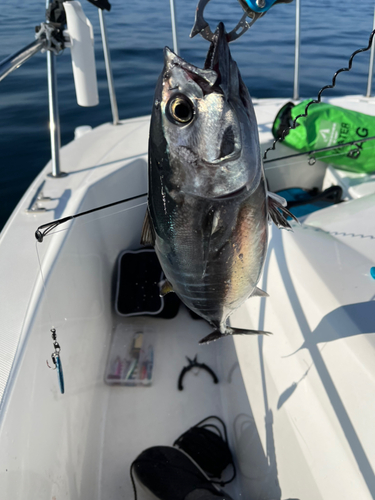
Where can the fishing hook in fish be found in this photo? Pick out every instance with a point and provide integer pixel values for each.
(56, 359)
(318, 100)
(45, 229)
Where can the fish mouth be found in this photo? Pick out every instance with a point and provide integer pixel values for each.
(220, 61)
(232, 194)
(219, 72)
(223, 159)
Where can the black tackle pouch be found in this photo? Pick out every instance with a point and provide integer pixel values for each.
(207, 444)
(137, 292)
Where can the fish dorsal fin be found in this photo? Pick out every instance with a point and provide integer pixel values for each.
(165, 287)
(277, 211)
(148, 234)
(257, 292)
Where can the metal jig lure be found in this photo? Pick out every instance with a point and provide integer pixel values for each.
(57, 360)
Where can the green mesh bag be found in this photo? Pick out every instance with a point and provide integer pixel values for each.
(327, 125)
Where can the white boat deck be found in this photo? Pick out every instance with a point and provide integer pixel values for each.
(298, 404)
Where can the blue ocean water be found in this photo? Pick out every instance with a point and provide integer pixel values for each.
(137, 33)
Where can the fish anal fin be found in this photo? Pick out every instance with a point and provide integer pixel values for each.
(277, 211)
(257, 292)
(216, 334)
(165, 287)
(148, 235)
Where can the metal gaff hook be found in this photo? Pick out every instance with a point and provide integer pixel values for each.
(202, 27)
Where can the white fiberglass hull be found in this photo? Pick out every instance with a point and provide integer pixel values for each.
(298, 404)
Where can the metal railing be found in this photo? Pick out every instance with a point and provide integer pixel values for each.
(174, 26)
(297, 50)
(108, 67)
(16, 60)
(371, 65)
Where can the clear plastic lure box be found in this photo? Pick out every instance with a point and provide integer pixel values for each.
(131, 356)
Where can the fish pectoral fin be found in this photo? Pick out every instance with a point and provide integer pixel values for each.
(215, 222)
(257, 292)
(165, 287)
(148, 234)
(277, 211)
(216, 334)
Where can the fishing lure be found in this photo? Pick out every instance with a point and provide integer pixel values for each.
(57, 360)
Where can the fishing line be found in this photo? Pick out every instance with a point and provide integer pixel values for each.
(55, 356)
(318, 100)
(42, 275)
(328, 148)
(318, 158)
(49, 226)
(97, 218)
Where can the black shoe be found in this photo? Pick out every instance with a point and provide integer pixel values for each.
(170, 474)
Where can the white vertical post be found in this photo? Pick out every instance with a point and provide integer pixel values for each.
(297, 50)
(371, 65)
(54, 119)
(174, 27)
(108, 67)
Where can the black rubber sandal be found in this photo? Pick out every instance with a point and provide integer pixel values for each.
(169, 474)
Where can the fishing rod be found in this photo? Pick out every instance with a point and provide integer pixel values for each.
(321, 150)
(45, 229)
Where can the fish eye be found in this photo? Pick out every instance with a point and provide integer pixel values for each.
(180, 110)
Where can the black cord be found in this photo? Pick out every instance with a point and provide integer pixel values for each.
(220, 482)
(212, 426)
(318, 100)
(133, 481)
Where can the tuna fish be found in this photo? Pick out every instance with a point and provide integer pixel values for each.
(208, 204)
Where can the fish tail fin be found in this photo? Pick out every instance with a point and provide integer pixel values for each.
(216, 334)
(277, 211)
